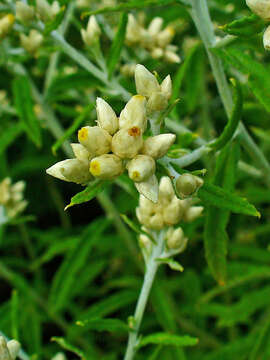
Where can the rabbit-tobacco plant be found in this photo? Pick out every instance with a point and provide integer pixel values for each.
(162, 158)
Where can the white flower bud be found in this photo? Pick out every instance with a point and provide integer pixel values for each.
(6, 24)
(155, 26)
(71, 170)
(4, 352)
(45, 11)
(172, 57)
(192, 213)
(106, 117)
(187, 184)
(80, 152)
(165, 37)
(128, 70)
(157, 53)
(166, 190)
(133, 33)
(147, 206)
(96, 140)
(149, 188)
(176, 239)
(158, 146)
(92, 33)
(24, 12)
(134, 113)
(32, 42)
(157, 102)
(59, 356)
(141, 167)
(106, 166)
(13, 348)
(126, 143)
(266, 38)
(145, 243)
(166, 87)
(173, 212)
(260, 8)
(156, 222)
(146, 83)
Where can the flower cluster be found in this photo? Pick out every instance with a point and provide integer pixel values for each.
(262, 9)
(115, 144)
(11, 197)
(9, 350)
(26, 14)
(167, 212)
(154, 39)
(6, 23)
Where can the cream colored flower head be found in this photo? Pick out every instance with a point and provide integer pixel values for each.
(116, 144)
(260, 8)
(9, 350)
(46, 11)
(11, 197)
(154, 39)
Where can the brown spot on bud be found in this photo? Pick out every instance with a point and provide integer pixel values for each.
(134, 131)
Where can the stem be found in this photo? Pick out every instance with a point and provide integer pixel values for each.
(55, 57)
(151, 270)
(200, 15)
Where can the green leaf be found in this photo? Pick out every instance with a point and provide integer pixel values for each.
(234, 120)
(67, 346)
(53, 25)
(94, 188)
(215, 235)
(173, 264)
(110, 304)
(168, 339)
(258, 81)
(14, 314)
(24, 106)
(71, 130)
(216, 196)
(74, 263)
(10, 134)
(245, 27)
(118, 42)
(99, 324)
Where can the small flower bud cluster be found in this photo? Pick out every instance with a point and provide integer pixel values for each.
(157, 95)
(154, 39)
(92, 33)
(11, 197)
(262, 9)
(114, 145)
(168, 211)
(6, 23)
(32, 42)
(43, 10)
(9, 350)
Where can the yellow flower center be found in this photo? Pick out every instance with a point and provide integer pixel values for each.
(95, 168)
(83, 134)
(136, 175)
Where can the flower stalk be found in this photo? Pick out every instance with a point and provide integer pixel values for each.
(149, 277)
